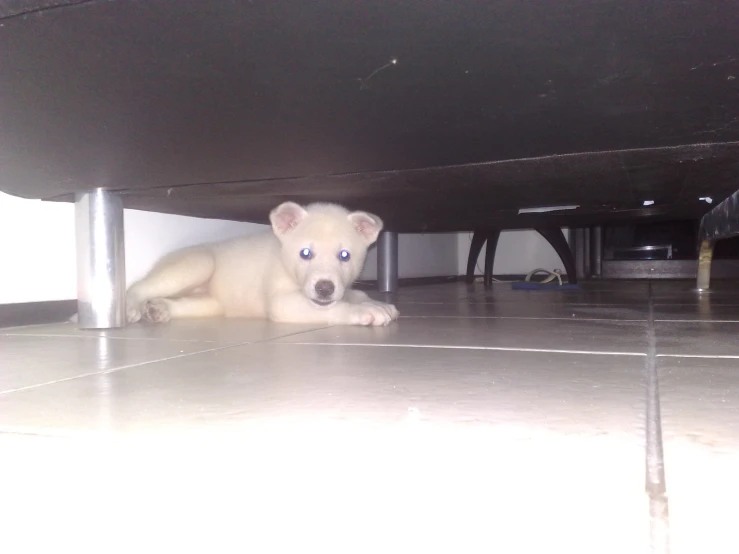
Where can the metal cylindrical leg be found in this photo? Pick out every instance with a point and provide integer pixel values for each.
(492, 238)
(586, 250)
(579, 252)
(387, 262)
(557, 239)
(478, 241)
(705, 257)
(596, 251)
(101, 264)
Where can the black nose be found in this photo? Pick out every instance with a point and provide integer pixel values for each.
(325, 288)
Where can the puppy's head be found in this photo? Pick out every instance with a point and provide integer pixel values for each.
(323, 247)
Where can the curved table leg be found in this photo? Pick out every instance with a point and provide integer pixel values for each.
(492, 237)
(478, 241)
(557, 239)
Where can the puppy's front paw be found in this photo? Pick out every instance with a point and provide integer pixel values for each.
(391, 310)
(156, 311)
(394, 313)
(133, 309)
(133, 314)
(373, 313)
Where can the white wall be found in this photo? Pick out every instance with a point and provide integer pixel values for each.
(421, 255)
(518, 252)
(37, 248)
(36, 251)
(151, 235)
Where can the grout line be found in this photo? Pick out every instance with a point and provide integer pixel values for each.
(157, 339)
(579, 319)
(158, 360)
(406, 303)
(708, 356)
(16, 432)
(625, 305)
(656, 487)
(82, 336)
(696, 304)
(3, 330)
(697, 320)
(506, 302)
(296, 333)
(450, 347)
(114, 369)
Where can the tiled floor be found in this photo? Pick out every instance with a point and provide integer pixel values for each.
(484, 421)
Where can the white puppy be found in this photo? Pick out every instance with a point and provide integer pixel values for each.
(300, 272)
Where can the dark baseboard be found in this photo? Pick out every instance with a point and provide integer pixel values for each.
(35, 313)
(667, 269)
(416, 281)
(366, 284)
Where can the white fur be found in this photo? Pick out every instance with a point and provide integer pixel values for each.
(264, 275)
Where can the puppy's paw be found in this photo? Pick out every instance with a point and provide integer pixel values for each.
(373, 313)
(156, 311)
(391, 310)
(394, 313)
(133, 314)
(133, 309)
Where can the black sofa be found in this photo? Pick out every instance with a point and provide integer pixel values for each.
(439, 116)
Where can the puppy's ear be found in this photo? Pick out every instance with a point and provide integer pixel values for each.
(367, 225)
(286, 217)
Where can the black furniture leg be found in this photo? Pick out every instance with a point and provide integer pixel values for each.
(478, 241)
(557, 239)
(492, 237)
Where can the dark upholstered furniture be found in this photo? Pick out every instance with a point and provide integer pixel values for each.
(439, 116)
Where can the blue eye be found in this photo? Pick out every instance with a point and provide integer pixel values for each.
(344, 256)
(306, 254)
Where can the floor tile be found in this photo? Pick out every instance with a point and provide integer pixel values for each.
(455, 438)
(688, 299)
(684, 292)
(686, 286)
(527, 310)
(539, 334)
(585, 296)
(700, 430)
(698, 338)
(701, 311)
(427, 294)
(466, 411)
(614, 284)
(27, 360)
(211, 330)
(273, 379)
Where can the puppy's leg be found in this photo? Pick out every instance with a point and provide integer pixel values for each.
(359, 297)
(161, 310)
(171, 277)
(296, 308)
(356, 296)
